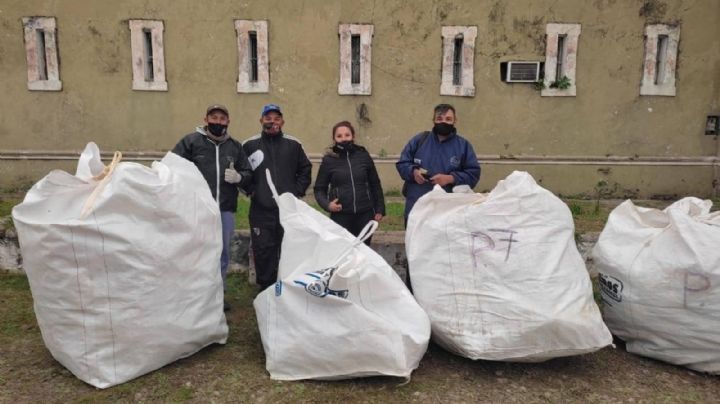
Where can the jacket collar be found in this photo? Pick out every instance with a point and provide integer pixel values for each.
(211, 137)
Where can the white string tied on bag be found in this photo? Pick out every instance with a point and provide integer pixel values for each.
(104, 177)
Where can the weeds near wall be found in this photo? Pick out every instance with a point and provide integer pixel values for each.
(562, 84)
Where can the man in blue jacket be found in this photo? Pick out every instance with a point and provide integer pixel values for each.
(437, 157)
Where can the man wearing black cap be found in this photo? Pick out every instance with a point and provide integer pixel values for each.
(223, 163)
(290, 169)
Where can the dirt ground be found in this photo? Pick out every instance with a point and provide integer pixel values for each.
(236, 372)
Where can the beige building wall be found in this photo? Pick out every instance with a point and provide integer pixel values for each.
(656, 145)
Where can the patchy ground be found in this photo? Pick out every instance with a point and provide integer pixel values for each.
(236, 372)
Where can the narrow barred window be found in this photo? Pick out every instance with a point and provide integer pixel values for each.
(561, 49)
(148, 55)
(659, 68)
(253, 54)
(41, 52)
(458, 57)
(355, 59)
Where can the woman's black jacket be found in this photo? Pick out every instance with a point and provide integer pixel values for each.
(350, 177)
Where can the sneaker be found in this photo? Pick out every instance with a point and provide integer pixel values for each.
(226, 306)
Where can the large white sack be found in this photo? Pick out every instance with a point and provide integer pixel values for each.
(356, 320)
(500, 275)
(132, 283)
(659, 277)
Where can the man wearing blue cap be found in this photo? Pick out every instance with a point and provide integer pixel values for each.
(290, 169)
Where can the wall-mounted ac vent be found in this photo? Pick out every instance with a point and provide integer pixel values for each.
(522, 72)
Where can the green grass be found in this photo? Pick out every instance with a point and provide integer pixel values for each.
(588, 215)
(393, 221)
(15, 322)
(6, 206)
(235, 372)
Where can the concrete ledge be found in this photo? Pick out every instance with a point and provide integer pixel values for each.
(389, 244)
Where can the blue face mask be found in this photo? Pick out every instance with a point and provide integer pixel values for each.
(217, 129)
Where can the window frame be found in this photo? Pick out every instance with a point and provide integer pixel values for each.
(450, 84)
(139, 30)
(654, 82)
(568, 55)
(346, 86)
(246, 68)
(47, 76)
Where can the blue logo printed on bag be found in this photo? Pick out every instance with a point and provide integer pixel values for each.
(318, 284)
(278, 288)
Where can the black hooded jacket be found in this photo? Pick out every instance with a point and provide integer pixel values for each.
(289, 167)
(212, 159)
(352, 178)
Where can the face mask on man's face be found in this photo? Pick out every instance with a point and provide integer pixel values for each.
(443, 128)
(217, 129)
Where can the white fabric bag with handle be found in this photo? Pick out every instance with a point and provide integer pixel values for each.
(338, 309)
(123, 264)
(659, 278)
(500, 275)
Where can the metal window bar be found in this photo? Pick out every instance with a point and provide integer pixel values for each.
(660, 59)
(41, 60)
(147, 40)
(560, 57)
(252, 35)
(355, 59)
(457, 60)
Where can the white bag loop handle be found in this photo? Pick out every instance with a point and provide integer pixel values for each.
(271, 184)
(104, 177)
(365, 233)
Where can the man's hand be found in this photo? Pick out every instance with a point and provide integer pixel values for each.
(378, 217)
(334, 206)
(232, 176)
(442, 179)
(417, 174)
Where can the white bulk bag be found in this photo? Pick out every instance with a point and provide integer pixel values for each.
(500, 275)
(338, 309)
(659, 277)
(123, 265)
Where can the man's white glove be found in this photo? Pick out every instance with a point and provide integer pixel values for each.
(232, 176)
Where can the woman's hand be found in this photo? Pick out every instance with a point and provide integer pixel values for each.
(334, 206)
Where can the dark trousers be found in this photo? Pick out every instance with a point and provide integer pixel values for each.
(266, 236)
(353, 222)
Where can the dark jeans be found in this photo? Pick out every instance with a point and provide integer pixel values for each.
(353, 222)
(266, 236)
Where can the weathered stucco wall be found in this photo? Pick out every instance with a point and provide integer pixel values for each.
(607, 117)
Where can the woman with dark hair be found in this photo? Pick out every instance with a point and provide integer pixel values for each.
(347, 183)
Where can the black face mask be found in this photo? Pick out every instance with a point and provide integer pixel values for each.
(346, 146)
(217, 129)
(443, 129)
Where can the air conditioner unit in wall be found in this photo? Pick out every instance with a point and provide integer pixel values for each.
(522, 72)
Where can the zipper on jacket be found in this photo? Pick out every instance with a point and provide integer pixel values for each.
(372, 201)
(217, 174)
(352, 182)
